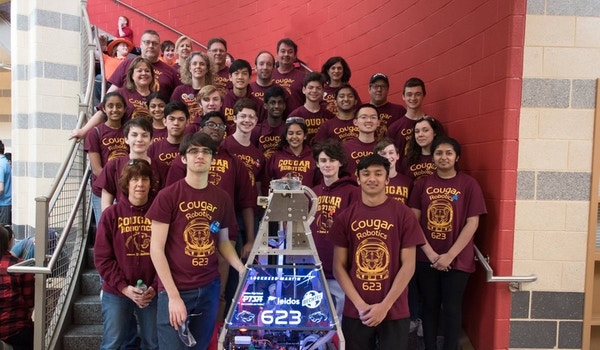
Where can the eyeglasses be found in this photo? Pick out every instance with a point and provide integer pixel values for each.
(378, 87)
(150, 43)
(214, 125)
(195, 151)
(135, 161)
(184, 332)
(292, 120)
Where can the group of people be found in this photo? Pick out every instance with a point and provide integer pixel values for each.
(179, 157)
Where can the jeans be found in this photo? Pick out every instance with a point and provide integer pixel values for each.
(97, 207)
(203, 301)
(6, 214)
(116, 318)
(441, 291)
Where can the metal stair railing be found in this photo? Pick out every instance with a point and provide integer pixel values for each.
(64, 209)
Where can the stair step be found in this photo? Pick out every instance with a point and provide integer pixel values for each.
(82, 337)
(90, 257)
(90, 283)
(87, 310)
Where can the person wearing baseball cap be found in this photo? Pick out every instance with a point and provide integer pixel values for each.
(379, 85)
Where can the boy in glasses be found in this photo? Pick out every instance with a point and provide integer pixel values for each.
(176, 119)
(191, 221)
(366, 119)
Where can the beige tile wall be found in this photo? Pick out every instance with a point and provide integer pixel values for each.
(551, 235)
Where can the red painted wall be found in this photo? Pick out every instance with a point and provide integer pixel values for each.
(469, 53)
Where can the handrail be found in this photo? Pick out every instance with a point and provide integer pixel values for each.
(152, 19)
(515, 281)
(25, 266)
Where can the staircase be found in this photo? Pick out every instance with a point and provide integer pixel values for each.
(86, 328)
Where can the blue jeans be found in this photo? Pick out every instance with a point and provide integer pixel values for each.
(116, 317)
(204, 301)
(97, 207)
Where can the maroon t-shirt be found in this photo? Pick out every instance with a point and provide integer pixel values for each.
(445, 205)
(229, 101)
(332, 200)
(109, 177)
(122, 247)
(195, 217)
(250, 156)
(135, 104)
(355, 150)
(291, 82)
(187, 94)
(285, 163)
(335, 128)
(163, 151)
(222, 81)
(158, 134)
(424, 167)
(374, 237)
(313, 120)
(165, 77)
(267, 138)
(399, 187)
(226, 172)
(389, 113)
(109, 143)
(401, 132)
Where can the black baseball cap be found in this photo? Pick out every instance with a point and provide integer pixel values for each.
(379, 76)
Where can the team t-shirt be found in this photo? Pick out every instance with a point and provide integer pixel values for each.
(109, 177)
(389, 113)
(331, 201)
(401, 132)
(195, 217)
(445, 205)
(136, 105)
(313, 120)
(285, 163)
(187, 94)
(109, 143)
(423, 167)
(338, 129)
(399, 187)
(291, 82)
(249, 155)
(266, 137)
(165, 77)
(355, 150)
(164, 151)
(122, 247)
(374, 237)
